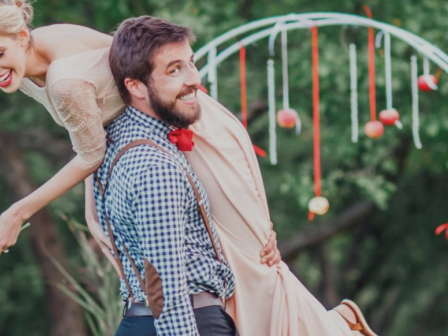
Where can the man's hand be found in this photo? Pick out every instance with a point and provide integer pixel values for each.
(270, 255)
(10, 224)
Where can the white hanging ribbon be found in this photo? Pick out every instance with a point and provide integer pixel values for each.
(285, 69)
(286, 80)
(213, 73)
(354, 93)
(426, 66)
(388, 71)
(272, 113)
(415, 105)
(426, 75)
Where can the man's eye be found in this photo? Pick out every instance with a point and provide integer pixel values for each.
(1, 54)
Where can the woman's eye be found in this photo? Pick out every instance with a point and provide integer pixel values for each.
(192, 64)
(175, 71)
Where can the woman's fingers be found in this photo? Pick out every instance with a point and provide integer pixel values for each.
(271, 244)
(277, 258)
(10, 226)
(268, 258)
(270, 254)
(106, 251)
(269, 251)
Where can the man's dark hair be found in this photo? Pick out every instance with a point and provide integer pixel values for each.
(135, 43)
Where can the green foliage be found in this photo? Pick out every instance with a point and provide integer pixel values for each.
(95, 289)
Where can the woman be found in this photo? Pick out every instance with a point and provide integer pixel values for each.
(65, 68)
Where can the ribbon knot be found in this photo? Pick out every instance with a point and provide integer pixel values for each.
(182, 138)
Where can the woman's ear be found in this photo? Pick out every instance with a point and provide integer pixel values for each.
(24, 37)
(136, 88)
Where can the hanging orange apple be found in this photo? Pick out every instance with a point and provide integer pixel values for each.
(374, 129)
(286, 118)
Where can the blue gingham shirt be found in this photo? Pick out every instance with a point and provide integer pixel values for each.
(154, 212)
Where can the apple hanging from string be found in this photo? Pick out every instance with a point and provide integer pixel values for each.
(318, 205)
(389, 117)
(427, 83)
(286, 118)
(374, 129)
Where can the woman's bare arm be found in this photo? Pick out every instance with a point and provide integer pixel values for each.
(13, 218)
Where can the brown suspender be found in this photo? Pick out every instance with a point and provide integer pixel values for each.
(109, 227)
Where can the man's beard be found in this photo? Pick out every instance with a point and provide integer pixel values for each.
(168, 113)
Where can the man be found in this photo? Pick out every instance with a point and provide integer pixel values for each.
(147, 196)
(153, 66)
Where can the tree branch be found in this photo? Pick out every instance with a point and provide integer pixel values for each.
(315, 234)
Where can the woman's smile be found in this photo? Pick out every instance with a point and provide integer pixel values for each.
(6, 79)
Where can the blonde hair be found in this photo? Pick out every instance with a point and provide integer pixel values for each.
(14, 16)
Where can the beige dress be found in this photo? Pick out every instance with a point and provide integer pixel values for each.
(81, 97)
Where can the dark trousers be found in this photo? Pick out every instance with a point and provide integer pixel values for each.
(211, 321)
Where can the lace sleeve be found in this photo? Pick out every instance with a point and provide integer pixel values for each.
(75, 102)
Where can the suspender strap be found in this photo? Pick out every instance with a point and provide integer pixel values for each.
(109, 228)
(116, 254)
(204, 215)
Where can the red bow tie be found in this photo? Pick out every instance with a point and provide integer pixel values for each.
(182, 138)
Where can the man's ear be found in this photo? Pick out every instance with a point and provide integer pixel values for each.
(136, 88)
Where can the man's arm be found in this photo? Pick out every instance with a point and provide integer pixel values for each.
(160, 200)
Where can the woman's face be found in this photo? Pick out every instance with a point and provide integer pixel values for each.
(12, 62)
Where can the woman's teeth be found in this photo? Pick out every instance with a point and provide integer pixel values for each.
(5, 77)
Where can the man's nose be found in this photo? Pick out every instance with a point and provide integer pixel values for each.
(193, 78)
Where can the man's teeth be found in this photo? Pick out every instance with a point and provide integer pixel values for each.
(188, 97)
(5, 77)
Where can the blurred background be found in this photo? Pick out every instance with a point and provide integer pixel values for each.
(376, 245)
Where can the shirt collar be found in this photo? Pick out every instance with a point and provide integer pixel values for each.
(157, 126)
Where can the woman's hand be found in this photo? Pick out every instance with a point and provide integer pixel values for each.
(12, 219)
(270, 255)
(10, 224)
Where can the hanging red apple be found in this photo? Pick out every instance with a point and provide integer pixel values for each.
(389, 117)
(374, 129)
(427, 83)
(286, 118)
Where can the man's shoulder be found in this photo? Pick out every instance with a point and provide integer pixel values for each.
(144, 157)
(121, 133)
